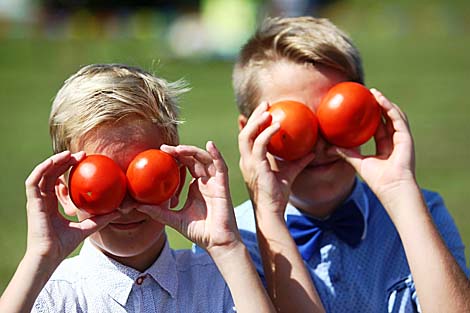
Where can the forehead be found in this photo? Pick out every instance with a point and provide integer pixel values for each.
(286, 80)
(121, 140)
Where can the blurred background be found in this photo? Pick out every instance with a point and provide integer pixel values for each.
(416, 52)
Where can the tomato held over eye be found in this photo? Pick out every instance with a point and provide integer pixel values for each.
(298, 130)
(97, 185)
(153, 176)
(348, 115)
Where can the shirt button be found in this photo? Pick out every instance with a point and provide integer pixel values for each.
(140, 279)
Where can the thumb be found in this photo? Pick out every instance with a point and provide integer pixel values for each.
(95, 223)
(353, 157)
(162, 215)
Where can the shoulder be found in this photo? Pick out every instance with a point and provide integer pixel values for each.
(434, 200)
(197, 271)
(69, 271)
(60, 292)
(440, 214)
(191, 264)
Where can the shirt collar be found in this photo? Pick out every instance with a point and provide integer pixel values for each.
(357, 195)
(163, 270)
(117, 279)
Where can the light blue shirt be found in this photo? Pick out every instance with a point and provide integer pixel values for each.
(178, 281)
(373, 277)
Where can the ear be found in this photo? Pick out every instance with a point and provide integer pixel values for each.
(242, 119)
(175, 198)
(62, 192)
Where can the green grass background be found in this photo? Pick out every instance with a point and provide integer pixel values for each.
(417, 54)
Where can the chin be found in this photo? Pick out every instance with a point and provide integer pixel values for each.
(310, 192)
(125, 247)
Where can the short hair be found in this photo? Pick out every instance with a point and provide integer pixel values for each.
(103, 93)
(297, 39)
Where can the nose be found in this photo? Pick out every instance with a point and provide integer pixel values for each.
(127, 205)
(321, 146)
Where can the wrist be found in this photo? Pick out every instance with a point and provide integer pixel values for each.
(221, 254)
(37, 269)
(43, 263)
(403, 201)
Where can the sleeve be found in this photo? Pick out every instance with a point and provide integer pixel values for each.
(402, 296)
(56, 297)
(447, 228)
(43, 302)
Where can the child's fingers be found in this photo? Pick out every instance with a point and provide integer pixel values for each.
(392, 111)
(61, 163)
(197, 153)
(44, 176)
(383, 139)
(257, 121)
(198, 161)
(351, 156)
(193, 158)
(95, 223)
(162, 215)
(168, 149)
(260, 146)
(259, 110)
(219, 162)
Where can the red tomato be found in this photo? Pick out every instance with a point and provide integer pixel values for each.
(348, 115)
(153, 176)
(97, 185)
(298, 132)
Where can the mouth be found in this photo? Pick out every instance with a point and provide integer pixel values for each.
(126, 225)
(323, 165)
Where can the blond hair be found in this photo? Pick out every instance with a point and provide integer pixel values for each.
(297, 39)
(103, 93)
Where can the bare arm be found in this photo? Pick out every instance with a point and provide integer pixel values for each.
(440, 283)
(207, 219)
(51, 238)
(288, 281)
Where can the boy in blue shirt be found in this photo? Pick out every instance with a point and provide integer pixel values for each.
(380, 244)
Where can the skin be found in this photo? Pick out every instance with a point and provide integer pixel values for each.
(133, 234)
(319, 182)
(321, 185)
(134, 238)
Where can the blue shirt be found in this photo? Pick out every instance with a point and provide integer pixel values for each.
(374, 276)
(178, 281)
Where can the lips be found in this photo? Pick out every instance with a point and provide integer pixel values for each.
(322, 164)
(126, 225)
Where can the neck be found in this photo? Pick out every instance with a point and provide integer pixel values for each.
(143, 260)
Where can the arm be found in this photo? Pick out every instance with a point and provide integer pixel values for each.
(51, 238)
(440, 283)
(289, 282)
(207, 219)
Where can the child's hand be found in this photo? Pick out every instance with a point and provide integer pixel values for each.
(268, 180)
(207, 217)
(52, 237)
(391, 170)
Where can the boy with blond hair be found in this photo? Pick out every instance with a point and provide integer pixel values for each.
(380, 244)
(125, 264)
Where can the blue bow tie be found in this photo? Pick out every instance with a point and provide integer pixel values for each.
(346, 222)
